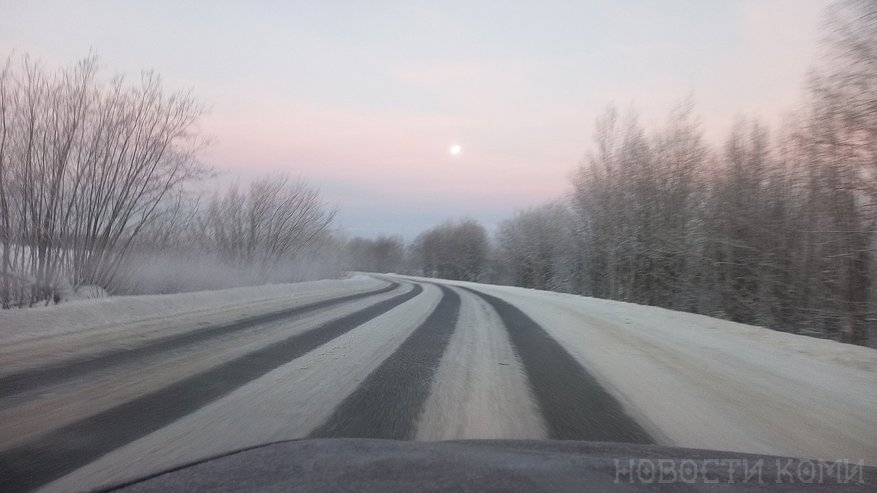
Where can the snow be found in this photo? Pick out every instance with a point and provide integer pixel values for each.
(697, 381)
(40, 336)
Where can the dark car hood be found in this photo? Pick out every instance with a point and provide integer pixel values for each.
(499, 465)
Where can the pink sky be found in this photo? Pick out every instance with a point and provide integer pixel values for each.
(364, 99)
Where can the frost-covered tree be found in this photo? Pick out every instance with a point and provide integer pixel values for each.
(381, 254)
(84, 166)
(453, 250)
(536, 248)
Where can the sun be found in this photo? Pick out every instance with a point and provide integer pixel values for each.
(455, 149)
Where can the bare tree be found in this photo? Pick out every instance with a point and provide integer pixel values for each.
(271, 223)
(84, 168)
(6, 283)
(536, 248)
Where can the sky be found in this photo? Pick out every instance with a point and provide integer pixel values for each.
(363, 99)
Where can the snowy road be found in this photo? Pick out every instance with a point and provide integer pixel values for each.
(97, 392)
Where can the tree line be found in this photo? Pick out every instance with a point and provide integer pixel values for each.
(769, 228)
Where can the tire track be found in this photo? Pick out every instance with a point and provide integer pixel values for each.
(480, 389)
(28, 380)
(573, 403)
(389, 401)
(59, 452)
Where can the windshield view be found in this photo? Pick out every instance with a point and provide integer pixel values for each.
(438, 245)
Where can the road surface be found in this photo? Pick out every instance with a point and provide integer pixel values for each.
(99, 392)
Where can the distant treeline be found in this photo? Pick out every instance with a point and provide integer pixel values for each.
(776, 230)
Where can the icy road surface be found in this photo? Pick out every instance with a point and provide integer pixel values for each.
(102, 391)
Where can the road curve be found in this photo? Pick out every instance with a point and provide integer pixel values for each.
(407, 358)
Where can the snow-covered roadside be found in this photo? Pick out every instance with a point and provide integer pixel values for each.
(702, 382)
(38, 336)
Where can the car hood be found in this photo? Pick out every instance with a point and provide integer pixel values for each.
(499, 465)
